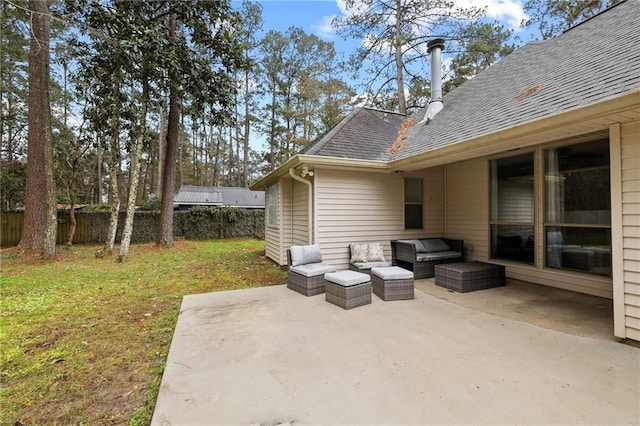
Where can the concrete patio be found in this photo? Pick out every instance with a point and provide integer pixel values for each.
(271, 356)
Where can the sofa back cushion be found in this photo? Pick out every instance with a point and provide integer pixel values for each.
(366, 252)
(434, 245)
(376, 253)
(302, 255)
(417, 244)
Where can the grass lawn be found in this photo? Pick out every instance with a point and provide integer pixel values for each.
(84, 340)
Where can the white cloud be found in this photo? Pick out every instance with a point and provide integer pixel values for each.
(509, 12)
(324, 28)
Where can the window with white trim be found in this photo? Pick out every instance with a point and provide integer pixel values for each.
(272, 206)
(413, 189)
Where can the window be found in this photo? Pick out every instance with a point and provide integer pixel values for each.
(578, 208)
(512, 208)
(272, 206)
(412, 203)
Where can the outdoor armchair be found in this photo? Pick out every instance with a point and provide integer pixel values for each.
(306, 270)
(364, 256)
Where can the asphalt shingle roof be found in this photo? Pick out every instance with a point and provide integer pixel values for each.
(219, 196)
(365, 133)
(592, 61)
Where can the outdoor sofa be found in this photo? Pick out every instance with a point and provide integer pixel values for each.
(422, 255)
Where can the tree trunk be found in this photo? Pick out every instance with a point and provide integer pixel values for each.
(399, 41)
(114, 190)
(232, 161)
(165, 227)
(161, 154)
(40, 219)
(179, 177)
(165, 231)
(134, 171)
(272, 133)
(98, 197)
(71, 193)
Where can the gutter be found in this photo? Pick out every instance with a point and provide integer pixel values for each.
(467, 148)
(310, 205)
(334, 163)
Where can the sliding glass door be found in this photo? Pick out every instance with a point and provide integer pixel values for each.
(578, 207)
(512, 208)
(574, 208)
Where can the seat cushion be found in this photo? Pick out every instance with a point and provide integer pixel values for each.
(392, 273)
(369, 265)
(347, 278)
(426, 257)
(312, 269)
(301, 255)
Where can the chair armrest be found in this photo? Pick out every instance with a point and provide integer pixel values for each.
(454, 245)
(403, 251)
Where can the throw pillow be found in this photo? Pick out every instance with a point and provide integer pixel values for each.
(359, 252)
(376, 253)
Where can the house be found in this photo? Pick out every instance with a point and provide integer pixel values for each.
(218, 196)
(534, 163)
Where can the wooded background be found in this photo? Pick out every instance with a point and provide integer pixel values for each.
(121, 102)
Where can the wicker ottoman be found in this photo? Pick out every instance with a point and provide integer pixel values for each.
(348, 289)
(392, 283)
(469, 276)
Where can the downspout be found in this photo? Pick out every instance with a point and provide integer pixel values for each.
(310, 206)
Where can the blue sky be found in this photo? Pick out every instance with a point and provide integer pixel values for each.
(314, 16)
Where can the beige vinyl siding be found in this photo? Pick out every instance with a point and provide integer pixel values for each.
(630, 173)
(367, 207)
(467, 206)
(299, 214)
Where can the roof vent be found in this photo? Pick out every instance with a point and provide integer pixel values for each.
(434, 47)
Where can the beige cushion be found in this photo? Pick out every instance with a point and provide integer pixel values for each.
(359, 252)
(366, 252)
(376, 254)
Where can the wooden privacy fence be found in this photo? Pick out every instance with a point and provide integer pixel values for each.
(194, 224)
